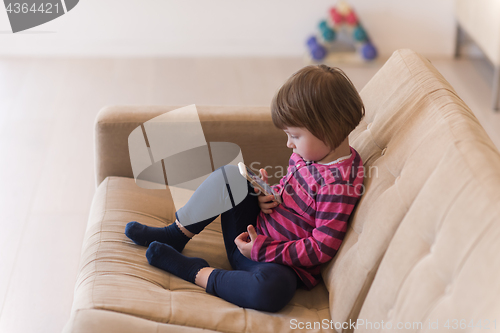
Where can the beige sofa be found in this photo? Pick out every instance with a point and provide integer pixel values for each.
(422, 246)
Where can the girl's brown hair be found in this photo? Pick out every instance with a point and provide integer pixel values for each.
(323, 100)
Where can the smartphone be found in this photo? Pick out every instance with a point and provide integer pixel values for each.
(257, 182)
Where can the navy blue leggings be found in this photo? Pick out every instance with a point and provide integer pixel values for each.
(251, 284)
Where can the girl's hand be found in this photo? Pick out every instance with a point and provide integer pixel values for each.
(266, 202)
(244, 244)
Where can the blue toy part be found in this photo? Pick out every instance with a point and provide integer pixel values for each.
(329, 35)
(368, 51)
(327, 32)
(318, 51)
(323, 25)
(359, 34)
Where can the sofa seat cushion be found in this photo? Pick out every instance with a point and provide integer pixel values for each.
(115, 276)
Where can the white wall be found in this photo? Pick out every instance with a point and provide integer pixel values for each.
(226, 28)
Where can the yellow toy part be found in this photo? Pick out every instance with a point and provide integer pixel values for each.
(343, 8)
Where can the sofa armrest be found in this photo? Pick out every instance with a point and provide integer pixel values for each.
(250, 127)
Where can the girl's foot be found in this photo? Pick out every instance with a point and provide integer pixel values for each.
(169, 259)
(144, 235)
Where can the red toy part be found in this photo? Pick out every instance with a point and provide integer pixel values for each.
(351, 18)
(336, 17)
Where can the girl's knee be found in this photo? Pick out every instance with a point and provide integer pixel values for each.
(273, 292)
(237, 183)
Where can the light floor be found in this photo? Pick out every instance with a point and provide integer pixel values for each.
(47, 109)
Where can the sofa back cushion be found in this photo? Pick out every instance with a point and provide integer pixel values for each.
(413, 117)
(441, 268)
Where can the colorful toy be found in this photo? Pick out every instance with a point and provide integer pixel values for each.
(341, 21)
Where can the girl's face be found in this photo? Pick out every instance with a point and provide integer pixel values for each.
(304, 143)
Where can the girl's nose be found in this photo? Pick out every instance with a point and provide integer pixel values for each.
(289, 144)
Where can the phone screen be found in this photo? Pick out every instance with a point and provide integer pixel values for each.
(259, 181)
(264, 186)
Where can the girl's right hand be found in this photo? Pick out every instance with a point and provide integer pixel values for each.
(266, 202)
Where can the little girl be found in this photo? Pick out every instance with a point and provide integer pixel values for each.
(274, 248)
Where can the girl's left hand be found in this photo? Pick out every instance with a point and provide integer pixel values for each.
(244, 244)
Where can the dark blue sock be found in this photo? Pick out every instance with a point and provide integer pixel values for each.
(144, 235)
(169, 259)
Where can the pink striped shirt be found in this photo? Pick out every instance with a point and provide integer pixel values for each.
(308, 228)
